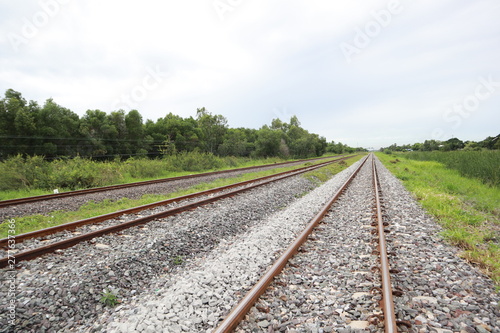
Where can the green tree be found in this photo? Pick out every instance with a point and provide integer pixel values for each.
(137, 142)
(430, 145)
(212, 129)
(453, 144)
(490, 142)
(24, 128)
(173, 133)
(10, 106)
(99, 134)
(416, 146)
(269, 142)
(235, 143)
(57, 130)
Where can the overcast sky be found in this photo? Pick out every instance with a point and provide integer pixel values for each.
(366, 73)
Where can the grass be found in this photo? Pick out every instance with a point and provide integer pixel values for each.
(108, 298)
(177, 260)
(23, 177)
(36, 222)
(466, 208)
(14, 194)
(322, 175)
(483, 165)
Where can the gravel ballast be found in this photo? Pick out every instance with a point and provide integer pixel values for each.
(185, 273)
(327, 286)
(195, 300)
(61, 292)
(443, 293)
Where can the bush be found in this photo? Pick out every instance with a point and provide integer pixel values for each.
(18, 173)
(83, 173)
(30, 173)
(193, 161)
(144, 168)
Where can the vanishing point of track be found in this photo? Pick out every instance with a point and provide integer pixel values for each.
(239, 312)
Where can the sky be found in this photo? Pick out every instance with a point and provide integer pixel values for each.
(365, 73)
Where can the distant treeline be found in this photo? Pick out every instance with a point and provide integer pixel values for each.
(54, 131)
(490, 143)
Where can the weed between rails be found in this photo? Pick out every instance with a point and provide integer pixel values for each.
(109, 298)
(322, 175)
(467, 209)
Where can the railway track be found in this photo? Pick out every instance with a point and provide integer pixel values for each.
(185, 273)
(51, 245)
(39, 198)
(388, 317)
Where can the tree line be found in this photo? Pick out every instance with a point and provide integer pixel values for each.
(54, 131)
(490, 143)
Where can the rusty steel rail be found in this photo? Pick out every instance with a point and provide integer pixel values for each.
(242, 308)
(13, 202)
(387, 298)
(34, 253)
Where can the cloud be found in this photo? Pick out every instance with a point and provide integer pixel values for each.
(262, 60)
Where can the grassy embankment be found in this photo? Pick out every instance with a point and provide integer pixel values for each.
(462, 192)
(36, 222)
(22, 177)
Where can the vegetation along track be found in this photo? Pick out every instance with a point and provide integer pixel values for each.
(71, 201)
(44, 245)
(39, 198)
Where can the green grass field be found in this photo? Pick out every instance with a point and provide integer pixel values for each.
(466, 207)
(484, 165)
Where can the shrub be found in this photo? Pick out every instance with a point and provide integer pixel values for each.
(17, 172)
(36, 173)
(193, 161)
(144, 168)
